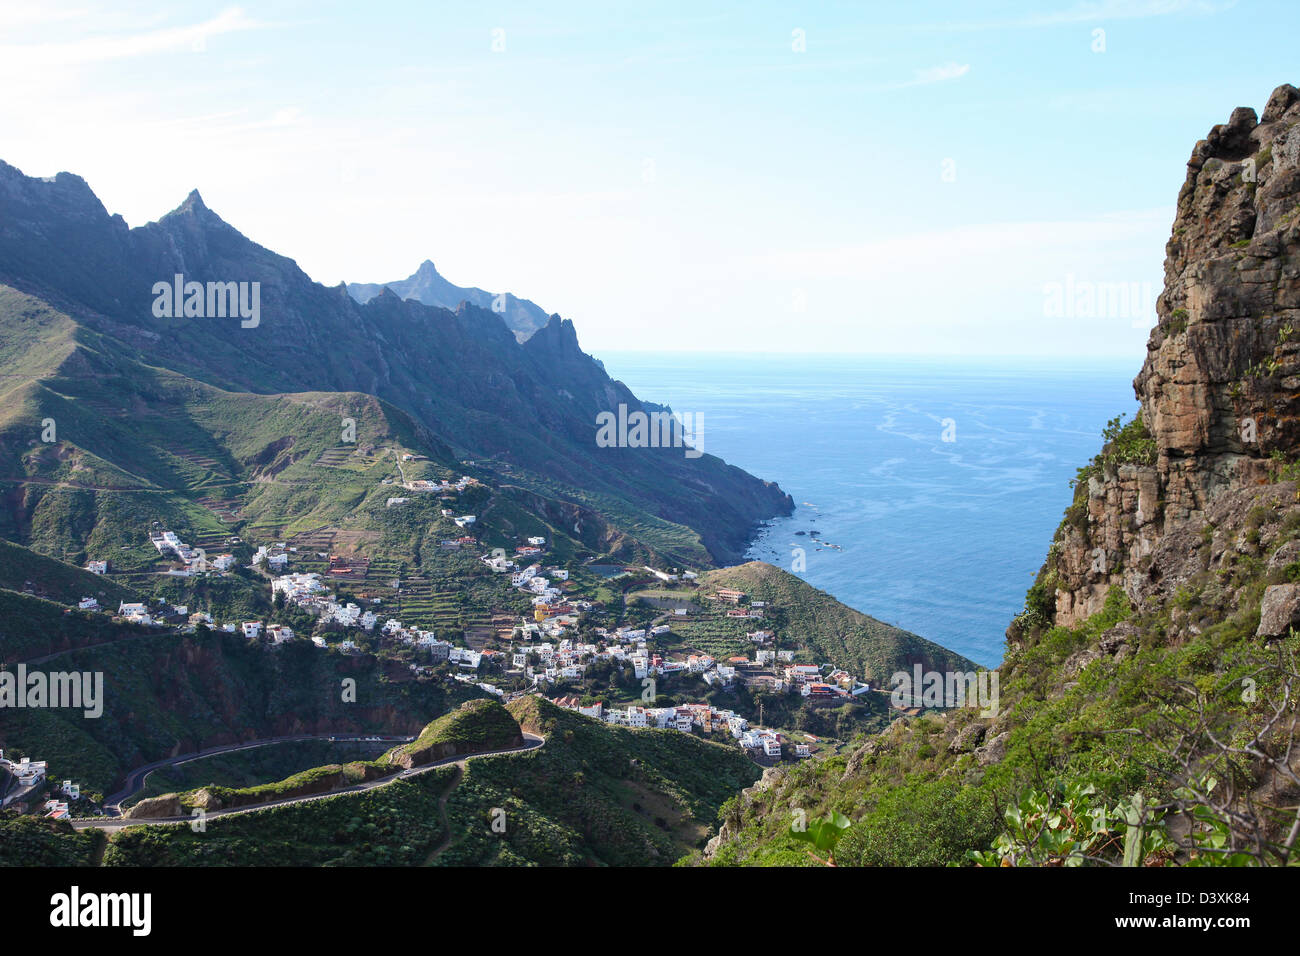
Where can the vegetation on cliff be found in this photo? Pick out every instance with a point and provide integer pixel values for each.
(1148, 692)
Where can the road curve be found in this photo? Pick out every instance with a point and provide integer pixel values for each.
(114, 824)
(136, 778)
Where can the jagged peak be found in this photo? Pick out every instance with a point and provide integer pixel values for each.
(194, 206)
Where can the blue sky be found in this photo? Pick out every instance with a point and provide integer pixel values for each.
(684, 177)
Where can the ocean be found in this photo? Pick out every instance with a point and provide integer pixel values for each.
(939, 481)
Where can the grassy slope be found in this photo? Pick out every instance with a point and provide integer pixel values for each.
(167, 694)
(1071, 712)
(138, 443)
(836, 633)
(475, 726)
(22, 568)
(32, 627)
(594, 794)
(241, 769)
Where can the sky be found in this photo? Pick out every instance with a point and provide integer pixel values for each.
(827, 177)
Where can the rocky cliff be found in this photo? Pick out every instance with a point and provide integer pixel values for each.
(1159, 626)
(1219, 386)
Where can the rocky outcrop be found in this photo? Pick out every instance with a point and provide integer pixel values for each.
(154, 808)
(1279, 611)
(477, 726)
(968, 738)
(994, 750)
(772, 776)
(1220, 387)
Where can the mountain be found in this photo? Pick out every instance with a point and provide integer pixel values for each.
(147, 401)
(1155, 660)
(425, 285)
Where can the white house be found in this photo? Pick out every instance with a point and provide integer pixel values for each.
(136, 613)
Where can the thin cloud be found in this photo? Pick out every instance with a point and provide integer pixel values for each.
(938, 74)
(928, 76)
(126, 46)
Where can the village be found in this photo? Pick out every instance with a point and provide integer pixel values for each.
(552, 648)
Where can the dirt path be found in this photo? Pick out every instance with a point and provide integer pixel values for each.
(442, 812)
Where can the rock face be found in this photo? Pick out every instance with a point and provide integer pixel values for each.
(967, 738)
(1220, 387)
(772, 776)
(994, 750)
(152, 808)
(1279, 610)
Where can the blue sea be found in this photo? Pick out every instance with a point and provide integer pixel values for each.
(941, 481)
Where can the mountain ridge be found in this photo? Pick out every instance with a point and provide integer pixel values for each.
(427, 285)
(531, 405)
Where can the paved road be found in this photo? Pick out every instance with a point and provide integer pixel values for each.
(114, 824)
(136, 778)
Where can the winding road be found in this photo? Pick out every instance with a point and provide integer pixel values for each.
(136, 780)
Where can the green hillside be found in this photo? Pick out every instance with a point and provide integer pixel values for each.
(834, 632)
(22, 569)
(475, 726)
(593, 795)
(167, 693)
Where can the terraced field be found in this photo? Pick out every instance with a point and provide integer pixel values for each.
(424, 605)
(715, 634)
